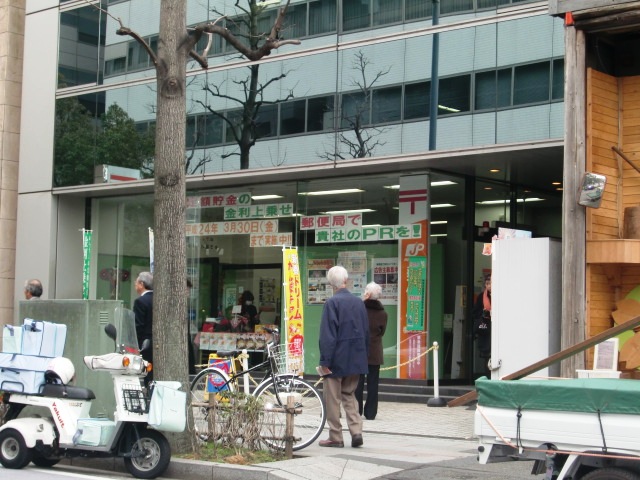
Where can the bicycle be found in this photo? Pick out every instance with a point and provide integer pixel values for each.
(277, 385)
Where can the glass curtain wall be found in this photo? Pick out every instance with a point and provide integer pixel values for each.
(314, 108)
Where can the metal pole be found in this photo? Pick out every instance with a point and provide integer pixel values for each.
(436, 401)
(435, 53)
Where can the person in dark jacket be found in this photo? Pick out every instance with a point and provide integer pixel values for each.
(377, 327)
(344, 348)
(143, 310)
(249, 311)
(482, 321)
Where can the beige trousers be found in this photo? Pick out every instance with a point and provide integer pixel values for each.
(338, 391)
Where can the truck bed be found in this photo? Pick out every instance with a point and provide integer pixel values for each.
(526, 417)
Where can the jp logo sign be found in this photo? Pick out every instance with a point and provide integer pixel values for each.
(414, 249)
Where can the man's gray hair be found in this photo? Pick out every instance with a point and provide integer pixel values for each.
(146, 278)
(34, 287)
(374, 290)
(337, 276)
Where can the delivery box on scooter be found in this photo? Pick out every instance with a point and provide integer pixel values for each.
(94, 431)
(42, 338)
(22, 373)
(12, 339)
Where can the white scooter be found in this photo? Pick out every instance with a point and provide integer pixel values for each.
(69, 432)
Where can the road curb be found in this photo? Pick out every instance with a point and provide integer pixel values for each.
(183, 469)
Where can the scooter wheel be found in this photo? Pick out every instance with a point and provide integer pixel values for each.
(150, 455)
(13, 449)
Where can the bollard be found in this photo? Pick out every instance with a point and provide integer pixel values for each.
(245, 367)
(436, 401)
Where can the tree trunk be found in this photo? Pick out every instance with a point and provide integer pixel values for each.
(170, 289)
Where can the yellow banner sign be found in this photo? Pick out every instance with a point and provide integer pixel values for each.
(294, 316)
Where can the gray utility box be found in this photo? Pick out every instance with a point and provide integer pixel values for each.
(85, 321)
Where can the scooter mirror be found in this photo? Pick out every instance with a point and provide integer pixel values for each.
(110, 330)
(146, 345)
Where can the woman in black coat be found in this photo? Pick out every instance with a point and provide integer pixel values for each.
(377, 327)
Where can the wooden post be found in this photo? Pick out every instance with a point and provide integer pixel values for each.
(212, 412)
(573, 322)
(288, 434)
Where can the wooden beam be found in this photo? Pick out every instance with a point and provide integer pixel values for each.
(556, 357)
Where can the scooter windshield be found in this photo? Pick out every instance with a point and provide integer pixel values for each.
(127, 340)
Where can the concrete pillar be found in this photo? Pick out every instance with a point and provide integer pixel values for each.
(12, 16)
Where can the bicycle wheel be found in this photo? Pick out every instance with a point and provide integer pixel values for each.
(210, 381)
(307, 424)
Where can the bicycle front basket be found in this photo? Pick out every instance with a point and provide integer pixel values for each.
(286, 362)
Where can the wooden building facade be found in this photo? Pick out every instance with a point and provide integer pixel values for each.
(601, 258)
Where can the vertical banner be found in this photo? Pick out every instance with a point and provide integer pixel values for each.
(412, 332)
(86, 264)
(151, 262)
(293, 313)
(416, 295)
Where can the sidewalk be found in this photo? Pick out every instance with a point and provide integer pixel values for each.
(403, 436)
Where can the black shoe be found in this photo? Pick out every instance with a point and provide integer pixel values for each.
(370, 418)
(356, 441)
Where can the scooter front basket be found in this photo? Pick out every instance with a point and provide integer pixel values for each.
(135, 401)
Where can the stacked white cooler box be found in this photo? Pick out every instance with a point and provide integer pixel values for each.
(27, 351)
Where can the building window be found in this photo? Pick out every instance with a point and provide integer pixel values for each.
(320, 113)
(456, 6)
(81, 47)
(212, 134)
(531, 83)
(557, 90)
(267, 121)
(387, 103)
(454, 95)
(234, 121)
(295, 22)
(356, 14)
(292, 117)
(493, 89)
(387, 11)
(322, 17)
(416, 9)
(355, 110)
(417, 100)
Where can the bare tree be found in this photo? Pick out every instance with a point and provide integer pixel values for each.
(244, 122)
(175, 45)
(357, 138)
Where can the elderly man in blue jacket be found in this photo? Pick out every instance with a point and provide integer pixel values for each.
(344, 347)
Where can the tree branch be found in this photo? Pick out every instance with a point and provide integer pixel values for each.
(272, 42)
(124, 31)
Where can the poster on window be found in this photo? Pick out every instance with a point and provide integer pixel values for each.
(416, 293)
(356, 264)
(385, 274)
(267, 298)
(318, 289)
